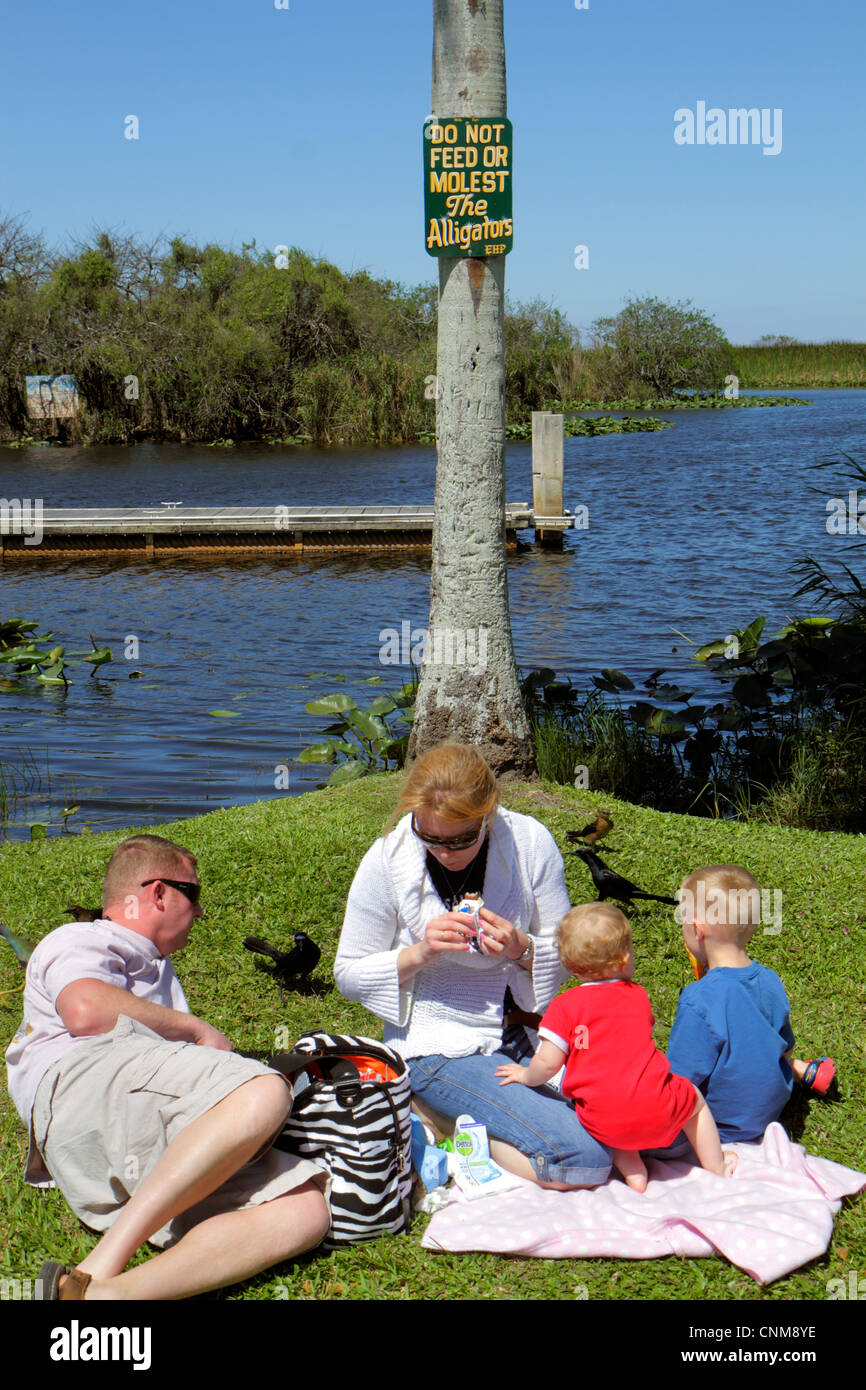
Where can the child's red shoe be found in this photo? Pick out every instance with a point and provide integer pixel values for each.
(819, 1075)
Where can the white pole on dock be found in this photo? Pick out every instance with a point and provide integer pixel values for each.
(547, 475)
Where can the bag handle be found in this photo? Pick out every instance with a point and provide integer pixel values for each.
(289, 1063)
(347, 1089)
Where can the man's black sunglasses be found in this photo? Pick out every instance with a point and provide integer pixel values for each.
(189, 890)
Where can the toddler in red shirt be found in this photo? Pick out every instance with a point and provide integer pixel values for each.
(624, 1091)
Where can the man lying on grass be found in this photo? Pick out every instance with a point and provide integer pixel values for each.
(152, 1127)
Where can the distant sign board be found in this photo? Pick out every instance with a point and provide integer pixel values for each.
(468, 171)
(51, 397)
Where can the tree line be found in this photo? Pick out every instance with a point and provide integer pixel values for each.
(175, 341)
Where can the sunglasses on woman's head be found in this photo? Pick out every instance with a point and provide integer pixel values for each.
(189, 890)
(456, 842)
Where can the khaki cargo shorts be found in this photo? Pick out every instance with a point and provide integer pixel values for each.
(106, 1112)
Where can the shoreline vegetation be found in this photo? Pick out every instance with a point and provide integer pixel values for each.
(173, 342)
(315, 842)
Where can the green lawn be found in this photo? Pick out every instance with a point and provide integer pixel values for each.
(276, 867)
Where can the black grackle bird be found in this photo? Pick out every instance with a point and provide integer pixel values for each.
(289, 966)
(592, 832)
(612, 885)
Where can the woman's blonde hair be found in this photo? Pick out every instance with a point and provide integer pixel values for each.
(592, 939)
(453, 781)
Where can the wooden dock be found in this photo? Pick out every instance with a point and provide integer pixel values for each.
(171, 531)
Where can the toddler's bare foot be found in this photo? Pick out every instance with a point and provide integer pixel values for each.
(730, 1162)
(631, 1168)
(636, 1182)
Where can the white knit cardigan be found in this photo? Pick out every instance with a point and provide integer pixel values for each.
(453, 1006)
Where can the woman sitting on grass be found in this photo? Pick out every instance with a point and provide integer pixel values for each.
(440, 986)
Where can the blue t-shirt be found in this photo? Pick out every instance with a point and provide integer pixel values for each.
(730, 1036)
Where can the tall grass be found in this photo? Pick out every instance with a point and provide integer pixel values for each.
(586, 374)
(594, 744)
(803, 365)
(371, 398)
(823, 781)
(802, 768)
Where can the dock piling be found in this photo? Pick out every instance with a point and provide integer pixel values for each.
(547, 476)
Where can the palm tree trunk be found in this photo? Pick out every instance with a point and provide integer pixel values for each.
(474, 701)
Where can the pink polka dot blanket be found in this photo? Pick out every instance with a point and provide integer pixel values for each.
(774, 1215)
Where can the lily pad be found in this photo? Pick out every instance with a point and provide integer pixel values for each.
(383, 704)
(368, 725)
(319, 753)
(331, 704)
(346, 772)
(617, 678)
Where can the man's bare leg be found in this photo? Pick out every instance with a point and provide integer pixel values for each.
(196, 1162)
(225, 1249)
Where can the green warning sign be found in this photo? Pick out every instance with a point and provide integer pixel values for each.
(468, 170)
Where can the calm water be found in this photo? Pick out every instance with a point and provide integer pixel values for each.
(691, 529)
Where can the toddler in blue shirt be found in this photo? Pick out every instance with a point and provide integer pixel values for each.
(732, 1032)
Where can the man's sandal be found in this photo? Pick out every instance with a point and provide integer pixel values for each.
(819, 1075)
(48, 1288)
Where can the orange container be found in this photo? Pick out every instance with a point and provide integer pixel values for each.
(369, 1068)
(700, 967)
(376, 1069)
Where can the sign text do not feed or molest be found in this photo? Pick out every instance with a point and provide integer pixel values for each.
(468, 173)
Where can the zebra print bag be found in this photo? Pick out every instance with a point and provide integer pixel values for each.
(360, 1130)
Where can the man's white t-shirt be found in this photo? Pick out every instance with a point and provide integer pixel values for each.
(101, 950)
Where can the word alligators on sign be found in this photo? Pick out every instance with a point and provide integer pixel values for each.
(468, 169)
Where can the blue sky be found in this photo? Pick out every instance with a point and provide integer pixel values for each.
(303, 127)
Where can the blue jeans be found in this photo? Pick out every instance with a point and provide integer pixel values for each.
(680, 1148)
(539, 1122)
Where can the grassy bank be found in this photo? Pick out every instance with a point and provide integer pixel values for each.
(584, 375)
(281, 866)
(807, 366)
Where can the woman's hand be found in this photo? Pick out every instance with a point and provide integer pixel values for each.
(452, 931)
(501, 937)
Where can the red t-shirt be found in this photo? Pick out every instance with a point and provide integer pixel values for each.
(624, 1091)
